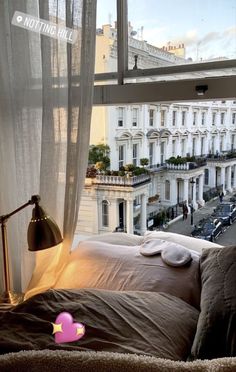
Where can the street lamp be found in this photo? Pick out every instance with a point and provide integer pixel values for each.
(191, 206)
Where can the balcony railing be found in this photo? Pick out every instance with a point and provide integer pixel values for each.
(122, 180)
(186, 166)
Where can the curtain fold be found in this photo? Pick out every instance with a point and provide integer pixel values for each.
(45, 113)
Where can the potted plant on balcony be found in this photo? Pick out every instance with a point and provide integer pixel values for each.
(144, 162)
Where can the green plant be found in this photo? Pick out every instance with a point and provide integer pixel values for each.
(144, 161)
(129, 167)
(91, 172)
(99, 153)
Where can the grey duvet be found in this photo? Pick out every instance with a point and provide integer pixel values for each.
(146, 323)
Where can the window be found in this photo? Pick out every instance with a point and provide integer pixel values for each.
(232, 142)
(151, 117)
(105, 213)
(135, 117)
(162, 152)
(121, 116)
(203, 118)
(221, 143)
(202, 145)
(163, 118)
(214, 118)
(183, 117)
(222, 118)
(213, 145)
(174, 118)
(194, 118)
(173, 147)
(121, 156)
(135, 154)
(234, 118)
(167, 190)
(183, 147)
(151, 153)
(206, 176)
(193, 146)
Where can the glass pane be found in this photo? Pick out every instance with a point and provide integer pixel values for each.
(170, 32)
(106, 37)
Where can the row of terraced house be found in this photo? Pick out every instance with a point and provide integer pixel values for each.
(190, 150)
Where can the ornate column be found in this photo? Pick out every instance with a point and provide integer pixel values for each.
(234, 182)
(212, 176)
(229, 171)
(130, 216)
(143, 226)
(173, 191)
(194, 194)
(222, 178)
(200, 190)
(186, 186)
(113, 215)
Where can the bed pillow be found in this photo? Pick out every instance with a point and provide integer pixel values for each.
(117, 267)
(187, 241)
(216, 330)
(147, 323)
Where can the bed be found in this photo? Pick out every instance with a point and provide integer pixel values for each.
(138, 311)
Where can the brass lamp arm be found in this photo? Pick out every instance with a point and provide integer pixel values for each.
(34, 200)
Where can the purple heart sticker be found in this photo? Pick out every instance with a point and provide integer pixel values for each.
(67, 331)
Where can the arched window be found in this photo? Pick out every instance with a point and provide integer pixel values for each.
(105, 213)
(167, 190)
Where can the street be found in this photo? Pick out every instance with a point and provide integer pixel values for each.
(184, 227)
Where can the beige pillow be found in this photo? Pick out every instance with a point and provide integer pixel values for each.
(118, 267)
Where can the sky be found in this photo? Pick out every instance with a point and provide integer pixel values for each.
(206, 27)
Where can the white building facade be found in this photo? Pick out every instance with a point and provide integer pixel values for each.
(204, 133)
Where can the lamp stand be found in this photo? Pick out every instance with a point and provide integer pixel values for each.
(8, 297)
(43, 233)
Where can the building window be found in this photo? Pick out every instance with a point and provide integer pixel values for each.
(173, 147)
(193, 146)
(162, 159)
(135, 154)
(213, 145)
(202, 146)
(121, 111)
(222, 118)
(163, 118)
(183, 117)
(105, 213)
(151, 117)
(135, 117)
(221, 143)
(151, 152)
(167, 190)
(174, 118)
(203, 118)
(206, 176)
(121, 156)
(214, 118)
(194, 118)
(183, 147)
(232, 142)
(234, 118)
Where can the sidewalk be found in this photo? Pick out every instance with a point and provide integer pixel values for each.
(184, 227)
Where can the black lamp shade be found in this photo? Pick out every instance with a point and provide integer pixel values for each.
(43, 232)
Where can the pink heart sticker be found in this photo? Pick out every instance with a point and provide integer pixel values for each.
(66, 330)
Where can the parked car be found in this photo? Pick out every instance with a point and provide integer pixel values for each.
(208, 229)
(225, 212)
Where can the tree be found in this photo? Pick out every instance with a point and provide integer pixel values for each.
(99, 153)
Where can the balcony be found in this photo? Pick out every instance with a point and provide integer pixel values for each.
(186, 166)
(130, 181)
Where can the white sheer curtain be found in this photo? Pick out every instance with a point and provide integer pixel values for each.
(45, 110)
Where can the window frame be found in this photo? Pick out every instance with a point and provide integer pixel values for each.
(219, 87)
